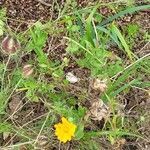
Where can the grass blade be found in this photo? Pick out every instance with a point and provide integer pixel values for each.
(124, 12)
(111, 35)
(118, 133)
(116, 31)
(90, 34)
(114, 93)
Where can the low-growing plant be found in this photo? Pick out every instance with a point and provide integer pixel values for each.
(92, 43)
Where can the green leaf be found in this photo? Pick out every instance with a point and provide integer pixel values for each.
(2, 20)
(113, 68)
(114, 93)
(37, 42)
(1, 27)
(142, 84)
(58, 73)
(90, 33)
(80, 132)
(132, 30)
(116, 31)
(3, 14)
(72, 48)
(113, 37)
(31, 83)
(112, 139)
(130, 10)
(85, 49)
(118, 133)
(31, 95)
(3, 98)
(5, 127)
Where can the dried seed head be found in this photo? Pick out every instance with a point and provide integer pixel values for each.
(98, 110)
(15, 103)
(27, 70)
(119, 143)
(10, 45)
(99, 85)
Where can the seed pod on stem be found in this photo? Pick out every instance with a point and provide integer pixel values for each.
(27, 71)
(10, 45)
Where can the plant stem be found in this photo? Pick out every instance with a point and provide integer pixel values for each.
(3, 76)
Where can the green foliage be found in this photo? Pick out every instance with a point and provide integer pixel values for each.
(2, 21)
(123, 42)
(80, 132)
(89, 30)
(93, 64)
(128, 10)
(118, 38)
(70, 26)
(5, 127)
(3, 104)
(147, 36)
(2, 66)
(63, 109)
(37, 42)
(72, 48)
(94, 53)
(32, 87)
(91, 39)
(2, 13)
(1, 27)
(131, 32)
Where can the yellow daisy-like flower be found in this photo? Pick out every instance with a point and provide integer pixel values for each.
(65, 130)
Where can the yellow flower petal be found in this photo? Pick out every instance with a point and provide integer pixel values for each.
(65, 130)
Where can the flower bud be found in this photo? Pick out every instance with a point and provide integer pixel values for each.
(10, 45)
(27, 70)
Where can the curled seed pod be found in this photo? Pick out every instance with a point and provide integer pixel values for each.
(10, 45)
(99, 85)
(27, 70)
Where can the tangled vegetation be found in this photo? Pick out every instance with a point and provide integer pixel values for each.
(88, 64)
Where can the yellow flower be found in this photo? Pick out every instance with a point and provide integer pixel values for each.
(65, 130)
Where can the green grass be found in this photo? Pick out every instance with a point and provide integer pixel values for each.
(87, 41)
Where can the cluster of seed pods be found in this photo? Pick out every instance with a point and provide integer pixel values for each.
(11, 46)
